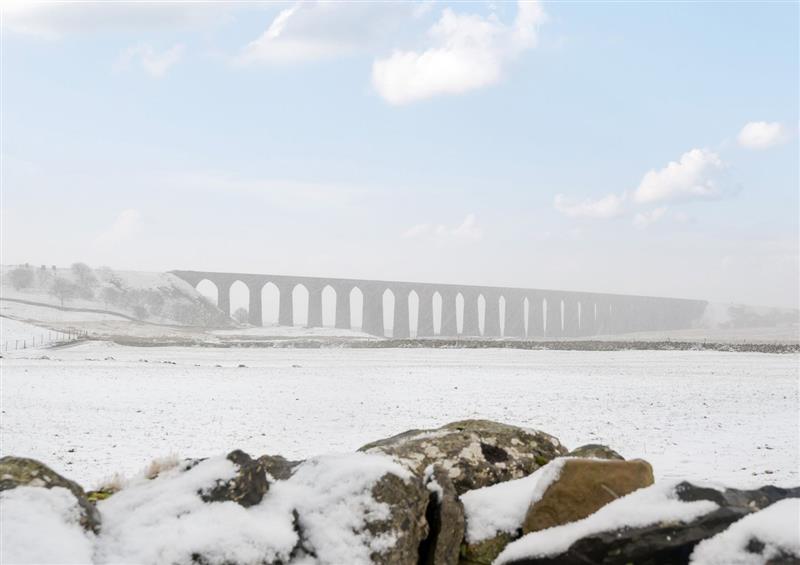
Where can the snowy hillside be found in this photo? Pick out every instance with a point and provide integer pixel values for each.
(80, 293)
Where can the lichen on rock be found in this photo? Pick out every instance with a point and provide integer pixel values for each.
(595, 451)
(247, 488)
(20, 471)
(474, 453)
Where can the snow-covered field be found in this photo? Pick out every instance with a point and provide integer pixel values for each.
(97, 408)
(15, 334)
(291, 332)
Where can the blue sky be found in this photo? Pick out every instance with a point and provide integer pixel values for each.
(621, 147)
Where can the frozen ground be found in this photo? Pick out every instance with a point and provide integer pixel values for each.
(98, 408)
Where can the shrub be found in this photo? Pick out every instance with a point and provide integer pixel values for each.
(241, 315)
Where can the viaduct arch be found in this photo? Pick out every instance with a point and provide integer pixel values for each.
(528, 313)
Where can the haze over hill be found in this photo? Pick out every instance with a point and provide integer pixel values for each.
(163, 308)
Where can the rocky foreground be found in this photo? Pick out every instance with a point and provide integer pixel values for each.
(471, 492)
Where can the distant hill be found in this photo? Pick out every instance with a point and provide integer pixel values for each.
(82, 292)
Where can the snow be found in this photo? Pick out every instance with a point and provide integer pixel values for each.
(644, 507)
(291, 331)
(502, 507)
(47, 316)
(95, 409)
(164, 520)
(39, 525)
(776, 526)
(173, 290)
(789, 334)
(333, 497)
(15, 333)
(432, 484)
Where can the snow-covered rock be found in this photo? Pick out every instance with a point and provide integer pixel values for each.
(475, 453)
(583, 487)
(595, 451)
(39, 525)
(660, 524)
(246, 488)
(17, 472)
(771, 535)
(446, 521)
(356, 508)
(495, 514)
(371, 508)
(656, 504)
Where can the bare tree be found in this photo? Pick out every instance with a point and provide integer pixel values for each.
(85, 275)
(44, 276)
(21, 277)
(63, 289)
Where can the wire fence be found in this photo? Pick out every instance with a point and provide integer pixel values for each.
(51, 337)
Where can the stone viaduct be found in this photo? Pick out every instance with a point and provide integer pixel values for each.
(526, 313)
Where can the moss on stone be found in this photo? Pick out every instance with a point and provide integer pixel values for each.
(484, 552)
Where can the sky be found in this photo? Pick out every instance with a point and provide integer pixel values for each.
(643, 148)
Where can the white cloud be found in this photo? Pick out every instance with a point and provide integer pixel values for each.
(154, 63)
(643, 220)
(693, 176)
(417, 230)
(467, 52)
(312, 31)
(53, 20)
(606, 207)
(275, 45)
(761, 135)
(127, 224)
(468, 229)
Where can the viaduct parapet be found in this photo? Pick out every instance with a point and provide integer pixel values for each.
(527, 313)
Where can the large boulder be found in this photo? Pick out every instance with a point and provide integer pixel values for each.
(353, 508)
(247, 488)
(583, 487)
(595, 451)
(407, 500)
(22, 472)
(446, 521)
(665, 542)
(474, 453)
(771, 535)
(565, 490)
